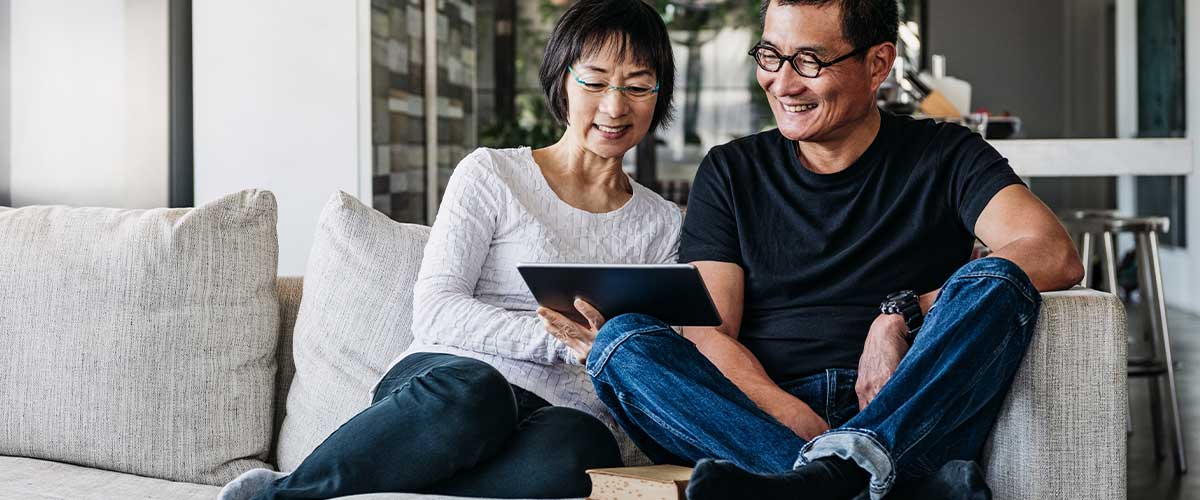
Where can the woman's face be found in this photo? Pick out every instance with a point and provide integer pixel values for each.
(605, 121)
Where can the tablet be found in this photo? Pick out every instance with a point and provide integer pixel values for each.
(673, 293)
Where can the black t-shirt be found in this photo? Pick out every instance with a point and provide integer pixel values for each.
(821, 251)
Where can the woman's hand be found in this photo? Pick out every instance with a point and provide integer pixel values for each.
(577, 337)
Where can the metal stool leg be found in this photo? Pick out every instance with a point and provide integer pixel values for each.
(1085, 254)
(1145, 280)
(1109, 255)
(1155, 389)
(1152, 270)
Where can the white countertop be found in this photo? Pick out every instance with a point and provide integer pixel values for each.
(1097, 157)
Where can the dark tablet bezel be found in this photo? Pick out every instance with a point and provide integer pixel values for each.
(673, 293)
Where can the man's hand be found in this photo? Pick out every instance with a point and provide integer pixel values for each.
(579, 338)
(886, 345)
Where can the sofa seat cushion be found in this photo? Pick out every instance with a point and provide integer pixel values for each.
(400, 496)
(32, 479)
(354, 319)
(140, 341)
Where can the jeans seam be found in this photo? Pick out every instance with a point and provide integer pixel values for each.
(972, 384)
(1002, 276)
(594, 369)
(669, 428)
(830, 379)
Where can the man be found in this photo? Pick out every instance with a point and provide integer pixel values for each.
(799, 234)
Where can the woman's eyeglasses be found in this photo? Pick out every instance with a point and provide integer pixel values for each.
(595, 86)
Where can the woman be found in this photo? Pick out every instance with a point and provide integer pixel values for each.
(485, 403)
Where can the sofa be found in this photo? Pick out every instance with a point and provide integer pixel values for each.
(156, 354)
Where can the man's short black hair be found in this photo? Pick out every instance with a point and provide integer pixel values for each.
(864, 22)
(589, 27)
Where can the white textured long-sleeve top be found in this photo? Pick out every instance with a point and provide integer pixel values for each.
(498, 211)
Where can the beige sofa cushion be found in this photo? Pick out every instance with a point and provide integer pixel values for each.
(354, 319)
(31, 479)
(140, 341)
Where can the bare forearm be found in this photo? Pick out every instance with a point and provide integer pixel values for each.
(740, 366)
(1050, 263)
(1019, 228)
(1049, 266)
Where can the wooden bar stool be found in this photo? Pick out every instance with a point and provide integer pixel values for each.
(1159, 365)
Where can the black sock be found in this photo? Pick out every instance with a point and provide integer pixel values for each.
(829, 478)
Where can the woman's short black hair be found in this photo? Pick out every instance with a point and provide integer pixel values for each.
(634, 28)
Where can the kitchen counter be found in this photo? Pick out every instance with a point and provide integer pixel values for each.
(1097, 157)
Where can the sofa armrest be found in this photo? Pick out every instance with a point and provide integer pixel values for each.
(1061, 431)
(290, 290)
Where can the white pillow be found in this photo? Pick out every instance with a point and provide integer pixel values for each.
(140, 341)
(354, 320)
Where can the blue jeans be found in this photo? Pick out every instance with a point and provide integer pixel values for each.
(451, 425)
(937, 408)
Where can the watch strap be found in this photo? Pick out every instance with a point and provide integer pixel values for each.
(907, 304)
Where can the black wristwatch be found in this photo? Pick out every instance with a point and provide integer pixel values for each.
(907, 304)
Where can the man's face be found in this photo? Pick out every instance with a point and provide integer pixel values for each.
(822, 108)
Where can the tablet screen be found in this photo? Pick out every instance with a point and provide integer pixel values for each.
(673, 293)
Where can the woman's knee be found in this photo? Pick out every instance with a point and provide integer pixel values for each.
(465, 391)
(583, 441)
(573, 442)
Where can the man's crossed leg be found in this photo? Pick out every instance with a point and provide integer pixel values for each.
(936, 409)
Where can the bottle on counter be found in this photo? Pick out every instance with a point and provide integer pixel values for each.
(957, 91)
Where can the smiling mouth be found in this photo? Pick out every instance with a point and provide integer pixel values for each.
(611, 130)
(800, 108)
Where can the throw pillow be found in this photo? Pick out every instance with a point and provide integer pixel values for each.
(140, 341)
(354, 320)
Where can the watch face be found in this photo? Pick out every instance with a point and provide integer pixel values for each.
(905, 303)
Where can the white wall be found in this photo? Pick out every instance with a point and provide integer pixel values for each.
(276, 96)
(5, 109)
(89, 102)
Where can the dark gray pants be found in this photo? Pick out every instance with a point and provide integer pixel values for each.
(450, 425)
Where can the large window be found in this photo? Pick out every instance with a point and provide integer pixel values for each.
(414, 152)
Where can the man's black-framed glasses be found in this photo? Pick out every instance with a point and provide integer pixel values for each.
(806, 64)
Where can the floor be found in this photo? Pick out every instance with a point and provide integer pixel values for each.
(1151, 479)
